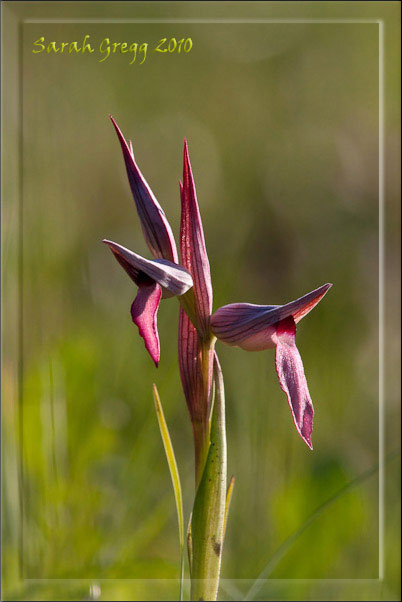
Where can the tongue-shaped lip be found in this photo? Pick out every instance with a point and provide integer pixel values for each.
(290, 371)
(144, 311)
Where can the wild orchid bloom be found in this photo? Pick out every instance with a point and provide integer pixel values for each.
(252, 327)
(162, 277)
(258, 327)
(155, 279)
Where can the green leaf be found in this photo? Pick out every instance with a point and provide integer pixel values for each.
(208, 518)
(174, 473)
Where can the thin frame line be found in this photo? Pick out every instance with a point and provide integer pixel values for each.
(187, 580)
(20, 309)
(381, 299)
(381, 196)
(205, 20)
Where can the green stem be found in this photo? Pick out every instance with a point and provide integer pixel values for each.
(207, 525)
(202, 428)
(201, 447)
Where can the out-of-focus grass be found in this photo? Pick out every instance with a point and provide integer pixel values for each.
(282, 123)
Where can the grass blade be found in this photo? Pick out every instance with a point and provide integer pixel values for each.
(174, 473)
(227, 504)
(284, 547)
(190, 545)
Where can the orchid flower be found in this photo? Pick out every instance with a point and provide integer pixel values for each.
(251, 327)
(258, 327)
(155, 279)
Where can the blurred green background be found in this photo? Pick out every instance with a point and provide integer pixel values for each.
(282, 124)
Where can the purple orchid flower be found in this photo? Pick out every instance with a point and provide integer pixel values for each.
(258, 327)
(251, 327)
(155, 279)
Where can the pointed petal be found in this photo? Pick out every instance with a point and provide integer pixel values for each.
(192, 247)
(144, 314)
(170, 276)
(252, 326)
(156, 229)
(302, 306)
(289, 367)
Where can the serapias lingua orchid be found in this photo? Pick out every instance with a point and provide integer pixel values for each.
(251, 327)
(162, 277)
(259, 327)
(155, 279)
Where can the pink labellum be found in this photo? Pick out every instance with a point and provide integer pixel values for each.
(289, 367)
(154, 278)
(156, 229)
(251, 326)
(258, 327)
(192, 247)
(144, 314)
